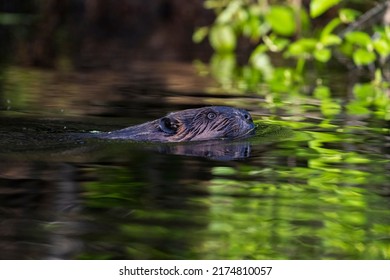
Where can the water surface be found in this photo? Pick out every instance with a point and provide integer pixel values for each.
(309, 185)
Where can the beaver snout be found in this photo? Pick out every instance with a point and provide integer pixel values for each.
(246, 118)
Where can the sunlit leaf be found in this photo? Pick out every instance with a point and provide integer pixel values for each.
(199, 34)
(275, 43)
(347, 49)
(322, 92)
(227, 14)
(253, 28)
(260, 49)
(330, 40)
(211, 4)
(222, 38)
(363, 57)
(359, 38)
(364, 92)
(330, 27)
(322, 55)
(318, 7)
(242, 15)
(348, 15)
(382, 46)
(302, 47)
(281, 19)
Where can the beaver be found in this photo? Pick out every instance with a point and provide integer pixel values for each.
(206, 123)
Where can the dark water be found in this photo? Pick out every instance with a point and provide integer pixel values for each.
(307, 186)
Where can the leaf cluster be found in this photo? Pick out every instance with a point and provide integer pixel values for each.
(287, 29)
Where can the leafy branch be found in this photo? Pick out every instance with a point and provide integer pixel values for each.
(287, 30)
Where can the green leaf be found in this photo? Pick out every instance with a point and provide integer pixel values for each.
(364, 93)
(211, 4)
(281, 19)
(255, 10)
(318, 7)
(328, 29)
(359, 38)
(242, 16)
(226, 16)
(253, 28)
(363, 57)
(302, 47)
(322, 55)
(199, 34)
(275, 43)
(222, 38)
(382, 46)
(348, 15)
(260, 49)
(347, 49)
(331, 40)
(322, 92)
(304, 20)
(386, 32)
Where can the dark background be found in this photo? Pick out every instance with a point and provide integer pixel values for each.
(95, 33)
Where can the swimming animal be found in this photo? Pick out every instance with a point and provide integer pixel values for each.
(206, 123)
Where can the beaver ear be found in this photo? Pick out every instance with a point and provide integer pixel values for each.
(168, 125)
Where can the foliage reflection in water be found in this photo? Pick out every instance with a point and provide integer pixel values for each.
(314, 186)
(294, 199)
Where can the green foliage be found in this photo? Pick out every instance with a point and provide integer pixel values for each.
(331, 214)
(222, 38)
(283, 30)
(348, 15)
(281, 20)
(371, 98)
(363, 49)
(200, 34)
(318, 7)
(272, 26)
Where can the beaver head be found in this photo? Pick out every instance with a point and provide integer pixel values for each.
(207, 123)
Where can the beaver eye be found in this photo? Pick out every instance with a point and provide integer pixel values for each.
(211, 116)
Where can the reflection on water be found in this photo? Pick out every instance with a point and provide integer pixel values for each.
(218, 150)
(304, 187)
